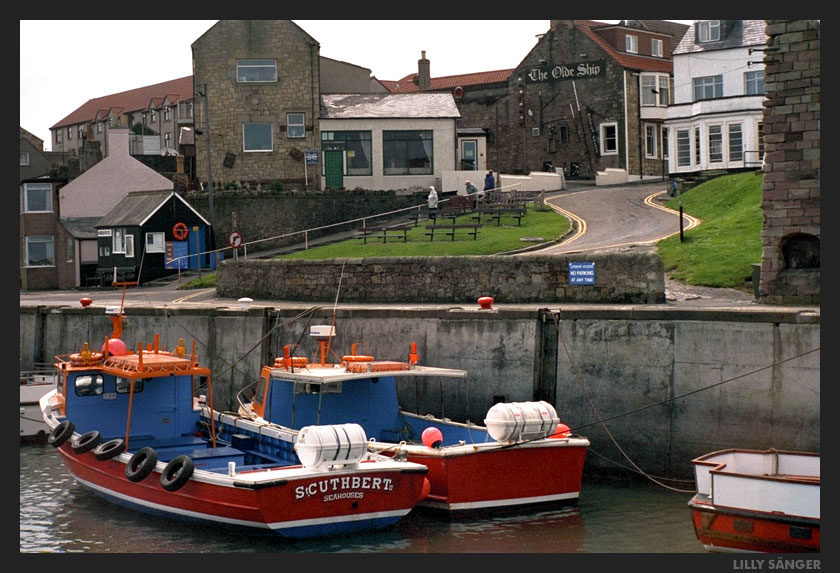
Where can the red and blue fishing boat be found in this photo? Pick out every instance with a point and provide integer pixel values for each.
(522, 456)
(765, 501)
(138, 428)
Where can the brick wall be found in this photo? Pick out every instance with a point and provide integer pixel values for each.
(623, 278)
(790, 271)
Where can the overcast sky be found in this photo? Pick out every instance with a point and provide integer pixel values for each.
(57, 75)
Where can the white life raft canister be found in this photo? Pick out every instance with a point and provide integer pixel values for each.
(517, 421)
(331, 445)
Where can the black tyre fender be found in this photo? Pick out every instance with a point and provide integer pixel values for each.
(141, 464)
(177, 473)
(109, 449)
(61, 433)
(87, 442)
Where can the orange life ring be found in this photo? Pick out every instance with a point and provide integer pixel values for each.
(78, 359)
(357, 358)
(180, 231)
(458, 91)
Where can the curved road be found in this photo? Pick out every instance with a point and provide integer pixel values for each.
(608, 218)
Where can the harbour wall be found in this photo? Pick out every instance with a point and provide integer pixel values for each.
(651, 386)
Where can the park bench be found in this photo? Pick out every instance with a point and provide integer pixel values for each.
(114, 276)
(496, 213)
(397, 232)
(468, 229)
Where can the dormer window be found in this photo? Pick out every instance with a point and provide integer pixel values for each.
(631, 43)
(152, 114)
(708, 31)
(656, 48)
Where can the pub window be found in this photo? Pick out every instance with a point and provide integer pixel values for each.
(609, 139)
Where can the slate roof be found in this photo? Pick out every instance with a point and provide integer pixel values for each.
(81, 227)
(629, 61)
(388, 106)
(136, 207)
(734, 34)
(129, 101)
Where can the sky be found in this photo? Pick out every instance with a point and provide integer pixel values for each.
(55, 81)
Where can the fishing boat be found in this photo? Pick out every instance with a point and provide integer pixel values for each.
(138, 428)
(522, 455)
(757, 501)
(33, 385)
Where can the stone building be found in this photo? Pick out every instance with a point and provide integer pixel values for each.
(260, 82)
(790, 262)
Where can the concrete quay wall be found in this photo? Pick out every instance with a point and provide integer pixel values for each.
(669, 384)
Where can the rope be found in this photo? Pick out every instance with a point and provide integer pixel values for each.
(601, 420)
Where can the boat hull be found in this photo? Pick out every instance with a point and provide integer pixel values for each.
(459, 481)
(33, 429)
(296, 506)
(730, 530)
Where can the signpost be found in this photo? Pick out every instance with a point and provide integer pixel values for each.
(310, 158)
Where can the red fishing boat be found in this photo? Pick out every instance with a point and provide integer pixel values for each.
(138, 428)
(521, 456)
(759, 501)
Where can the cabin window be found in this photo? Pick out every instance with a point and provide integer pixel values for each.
(260, 393)
(307, 388)
(88, 385)
(123, 385)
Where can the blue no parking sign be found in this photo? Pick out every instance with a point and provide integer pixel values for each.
(581, 273)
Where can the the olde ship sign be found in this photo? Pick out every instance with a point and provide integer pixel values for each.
(576, 71)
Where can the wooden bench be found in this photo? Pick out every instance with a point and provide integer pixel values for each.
(115, 276)
(434, 214)
(469, 229)
(497, 212)
(382, 232)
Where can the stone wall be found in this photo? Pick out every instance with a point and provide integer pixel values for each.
(790, 267)
(619, 278)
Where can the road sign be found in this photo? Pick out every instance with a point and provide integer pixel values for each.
(235, 239)
(581, 273)
(311, 156)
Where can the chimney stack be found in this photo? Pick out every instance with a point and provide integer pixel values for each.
(424, 78)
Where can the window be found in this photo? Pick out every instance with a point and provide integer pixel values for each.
(664, 91)
(256, 70)
(609, 139)
(88, 385)
(257, 137)
(357, 150)
(754, 82)
(715, 144)
(24, 158)
(683, 148)
(697, 146)
(111, 120)
(650, 140)
(708, 31)
(564, 134)
(631, 44)
(708, 87)
(665, 143)
(408, 152)
(99, 126)
(69, 133)
(736, 142)
(123, 385)
(167, 139)
(129, 246)
(167, 113)
(69, 247)
(152, 115)
(656, 47)
(295, 127)
(118, 242)
(39, 252)
(58, 137)
(760, 138)
(655, 90)
(155, 243)
(36, 198)
(81, 131)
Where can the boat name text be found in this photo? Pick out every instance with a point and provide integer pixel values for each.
(346, 487)
(758, 564)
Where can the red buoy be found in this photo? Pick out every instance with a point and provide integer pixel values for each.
(116, 347)
(86, 301)
(432, 437)
(562, 431)
(486, 302)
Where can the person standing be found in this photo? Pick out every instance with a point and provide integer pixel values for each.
(489, 181)
(432, 199)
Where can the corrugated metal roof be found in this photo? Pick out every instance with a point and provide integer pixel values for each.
(81, 227)
(388, 106)
(135, 208)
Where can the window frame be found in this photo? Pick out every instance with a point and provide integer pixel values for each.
(705, 28)
(604, 138)
(751, 79)
(31, 189)
(24, 158)
(650, 141)
(49, 242)
(245, 64)
(714, 138)
(735, 152)
(397, 142)
(158, 242)
(683, 147)
(665, 135)
(704, 83)
(252, 125)
(297, 125)
(118, 242)
(657, 47)
(631, 44)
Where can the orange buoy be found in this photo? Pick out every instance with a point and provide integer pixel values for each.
(86, 301)
(431, 437)
(485, 302)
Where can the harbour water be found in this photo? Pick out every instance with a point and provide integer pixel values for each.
(612, 516)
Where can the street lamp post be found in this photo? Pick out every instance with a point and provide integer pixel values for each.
(209, 169)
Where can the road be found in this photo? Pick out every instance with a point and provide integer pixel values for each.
(609, 218)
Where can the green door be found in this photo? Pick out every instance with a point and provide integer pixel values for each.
(334, 169)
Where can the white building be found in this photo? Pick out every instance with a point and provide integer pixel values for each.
(716, 120)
